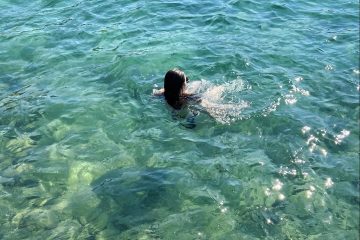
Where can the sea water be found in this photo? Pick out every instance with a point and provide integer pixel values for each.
(86, 151)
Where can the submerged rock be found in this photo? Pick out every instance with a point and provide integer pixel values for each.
(133, 197)
(36, 219)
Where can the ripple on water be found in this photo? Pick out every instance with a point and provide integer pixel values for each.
(87, 153)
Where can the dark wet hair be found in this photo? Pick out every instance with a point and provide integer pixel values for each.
(174, 85)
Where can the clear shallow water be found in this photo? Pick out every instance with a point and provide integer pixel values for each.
(87, 153)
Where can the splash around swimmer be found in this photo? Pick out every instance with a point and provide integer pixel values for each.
(188, 99)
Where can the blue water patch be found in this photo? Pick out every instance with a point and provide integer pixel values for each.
(270, 151)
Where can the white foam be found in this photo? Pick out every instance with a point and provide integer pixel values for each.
(341, 136)
(221, 101)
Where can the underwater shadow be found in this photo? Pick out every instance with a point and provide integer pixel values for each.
(132, 197)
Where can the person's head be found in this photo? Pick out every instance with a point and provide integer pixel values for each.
(174, 85)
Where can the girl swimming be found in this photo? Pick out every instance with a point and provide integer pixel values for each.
(174, 89)
(188, 100)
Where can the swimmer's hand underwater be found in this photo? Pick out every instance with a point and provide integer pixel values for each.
(158, 92)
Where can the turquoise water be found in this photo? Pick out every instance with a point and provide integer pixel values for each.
(86, 152)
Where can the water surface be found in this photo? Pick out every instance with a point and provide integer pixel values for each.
(86, 152)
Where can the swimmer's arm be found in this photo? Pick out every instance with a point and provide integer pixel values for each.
(158, 92)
